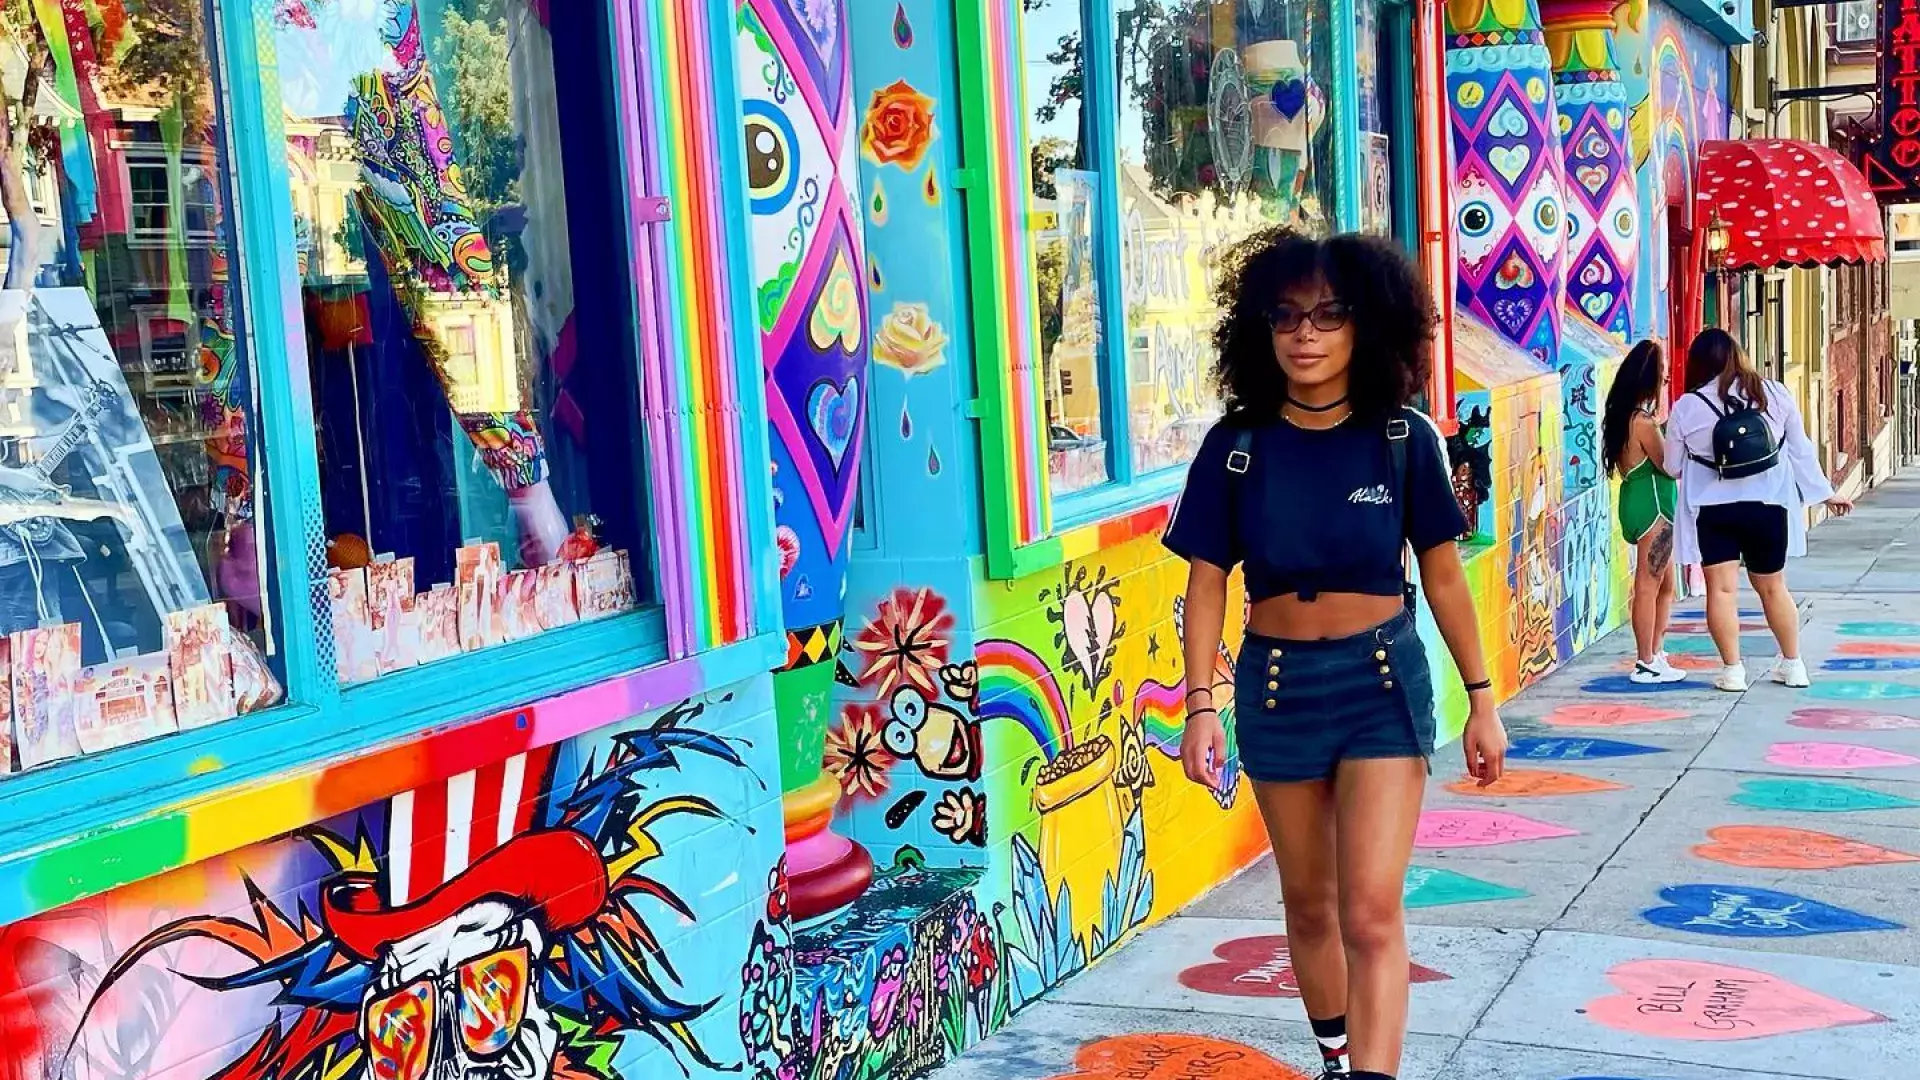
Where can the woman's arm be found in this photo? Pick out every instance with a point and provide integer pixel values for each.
(1203, 746)
(1444, 581)
(1646, 435)
(1676, 446)
(1801, 456)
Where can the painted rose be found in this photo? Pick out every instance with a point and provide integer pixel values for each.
(899, 126)
(910, 341)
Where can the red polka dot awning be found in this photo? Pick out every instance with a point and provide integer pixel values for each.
(1786, 203)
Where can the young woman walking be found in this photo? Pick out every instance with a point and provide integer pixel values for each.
(1318, 479)
(1747, 471)
(1633, 448)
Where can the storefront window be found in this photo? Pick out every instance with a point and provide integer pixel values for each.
(1066, 202)
(134, 598)
(1223, 110)
(474, 372)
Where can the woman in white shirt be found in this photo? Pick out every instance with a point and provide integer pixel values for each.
(1759, 519)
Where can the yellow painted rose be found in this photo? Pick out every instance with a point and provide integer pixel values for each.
(910, 340)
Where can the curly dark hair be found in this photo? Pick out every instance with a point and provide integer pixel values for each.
(1392, 317)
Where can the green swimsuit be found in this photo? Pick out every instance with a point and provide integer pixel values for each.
(1647, 496)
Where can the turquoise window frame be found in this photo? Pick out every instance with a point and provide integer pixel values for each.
(1128, 489)
(319, 721)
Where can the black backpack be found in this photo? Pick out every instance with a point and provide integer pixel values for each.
(1743, 444)
(1241, 457)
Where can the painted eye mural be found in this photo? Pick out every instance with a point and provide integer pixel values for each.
(1483, 220)
(1543, 217)
(789, 171)
(771, 177)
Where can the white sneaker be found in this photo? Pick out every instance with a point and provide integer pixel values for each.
(1656, 670)
(1791, 673)
(1732, 679)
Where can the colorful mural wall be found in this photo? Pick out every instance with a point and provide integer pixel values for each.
(1675, 76)
(1603, 218)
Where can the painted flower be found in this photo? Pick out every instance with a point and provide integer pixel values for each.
(899, 126)
(856, 754)
(961, 816)
(906, 643)
(910, 340)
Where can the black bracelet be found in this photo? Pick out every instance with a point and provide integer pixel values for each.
(1207, 690)
(1476, 687)
(1203, 712)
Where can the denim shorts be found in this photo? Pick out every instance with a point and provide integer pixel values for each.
(1302, 707)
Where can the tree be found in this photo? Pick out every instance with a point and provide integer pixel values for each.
(480, 114)
(22, 30)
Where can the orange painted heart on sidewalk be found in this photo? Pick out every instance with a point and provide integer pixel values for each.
(1773, 847)
(1694, 1000)
(1876, 648)
(1534, 783)
(1174, 1057)
(1606, 715)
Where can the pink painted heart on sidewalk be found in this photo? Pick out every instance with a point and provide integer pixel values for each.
(1833, 755)
(1852, 720)
(1698, 1001)
(1481, 828)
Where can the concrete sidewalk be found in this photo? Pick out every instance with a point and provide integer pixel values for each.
(1679, 884)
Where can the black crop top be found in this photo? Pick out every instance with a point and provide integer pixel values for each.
(1316, 511)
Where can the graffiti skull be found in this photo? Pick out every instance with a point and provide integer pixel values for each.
(459, 1001)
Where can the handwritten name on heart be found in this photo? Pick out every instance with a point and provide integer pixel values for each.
(1695, 1000)
(1833, 755)
(1744, 911)
(1610, 715)
(1774, 847)
(1533, 783)
(1262, 967)
(1173, 1057)
(1481, 828)
(1817, 796)
(1852, 720)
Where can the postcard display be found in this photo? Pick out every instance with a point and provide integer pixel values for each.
(381, 624)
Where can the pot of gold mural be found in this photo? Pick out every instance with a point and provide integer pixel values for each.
(1082, 825)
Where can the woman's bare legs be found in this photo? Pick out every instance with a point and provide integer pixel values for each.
(1723, 610)
(1377, 808)
(1783, 617)
(1300, 822)
(1653, 590)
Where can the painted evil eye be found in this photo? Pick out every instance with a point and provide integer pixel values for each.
(1546, 215)
(1623, 222)
(1476, 218)
(771, 175)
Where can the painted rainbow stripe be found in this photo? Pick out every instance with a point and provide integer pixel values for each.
(1162, 711)
(671, 133)
(1017, 685)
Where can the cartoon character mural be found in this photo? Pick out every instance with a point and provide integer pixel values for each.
(504, 924)
(1603, 218)
(808, 269)
(1508, 203)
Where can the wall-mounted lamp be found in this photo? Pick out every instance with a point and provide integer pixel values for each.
(1719, 238)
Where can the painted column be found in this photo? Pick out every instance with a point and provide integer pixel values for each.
(796, 95)
(1508, 205)
(1602, 211)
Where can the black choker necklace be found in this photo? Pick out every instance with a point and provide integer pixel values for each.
(1328, 407)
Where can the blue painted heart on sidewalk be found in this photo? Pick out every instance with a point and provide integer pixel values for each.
(1817, 796)
(1870, 663)
(1565, 749)
(1862, 691)
(1741, 911)
(1880, 629)
(1622, 684)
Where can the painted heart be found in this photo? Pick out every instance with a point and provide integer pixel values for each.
(1595, 305)
(1510, 161)
(1833, 755)
(1863, 691)
(836, 311)
(1513, 314)
(1262, 967)
(1128, 1057)
(1852, 720)
(1741, 911)
(832, 413)
(1087, 620)
(1431, 886)
(1618, 685)
(1871, 663)
(1481, 828)
(1568, 749)
(1508, 122)
(1817, 796)
(1611, 715)
(1774, 847)
(1699, 1001)
(1596, 273)
(1877, 648)
(1880, 629)
(1515, 273)
(1593, 177)
(1533, 784)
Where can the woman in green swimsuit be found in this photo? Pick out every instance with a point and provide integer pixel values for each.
(1632, 449)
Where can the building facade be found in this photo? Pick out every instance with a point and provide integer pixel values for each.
(638, 520)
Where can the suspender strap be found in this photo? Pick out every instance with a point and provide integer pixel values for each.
(1397, 432)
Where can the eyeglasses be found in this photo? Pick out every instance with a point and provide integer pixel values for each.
(490, 996)
(1331, 315)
